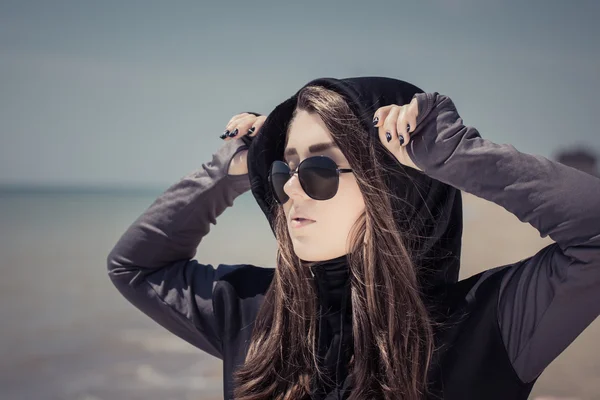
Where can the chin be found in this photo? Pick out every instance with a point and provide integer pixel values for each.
(305, 251)
(310, 256)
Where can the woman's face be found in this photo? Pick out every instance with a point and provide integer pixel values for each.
(327, 237)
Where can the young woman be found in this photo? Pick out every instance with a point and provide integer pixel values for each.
(360, 180)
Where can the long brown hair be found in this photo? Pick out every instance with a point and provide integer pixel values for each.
(393, 339)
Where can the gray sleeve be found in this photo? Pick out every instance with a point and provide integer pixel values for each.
(548, 299)
(151, 264)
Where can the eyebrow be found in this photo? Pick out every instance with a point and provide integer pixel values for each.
(315, 148)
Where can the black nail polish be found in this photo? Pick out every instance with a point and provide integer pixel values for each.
(223, 136)
(401, 138)
(407, 127)
(251, 130)
(375, 121)
(388, 136)
(235, 132)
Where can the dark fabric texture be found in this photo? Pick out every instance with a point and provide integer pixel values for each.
(335, 327)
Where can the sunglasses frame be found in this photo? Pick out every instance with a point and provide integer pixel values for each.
(295, 171)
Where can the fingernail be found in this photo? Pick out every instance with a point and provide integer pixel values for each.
(375, 121)
(401, 138)
(407, 127)
(223, 136)
(235, 132)
(388, 136)
(251, 130)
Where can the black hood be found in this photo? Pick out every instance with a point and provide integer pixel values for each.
(435, 220)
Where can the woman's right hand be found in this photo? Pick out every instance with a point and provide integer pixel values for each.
(240, 125)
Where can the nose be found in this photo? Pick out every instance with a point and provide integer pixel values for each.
(293, 188)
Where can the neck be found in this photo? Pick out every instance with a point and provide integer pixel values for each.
(333, 264)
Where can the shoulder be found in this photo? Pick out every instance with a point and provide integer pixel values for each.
(484, 285)
(470, 293)
(247, 280)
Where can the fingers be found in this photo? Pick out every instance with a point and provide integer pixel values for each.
(395, 125)
(240, 125)
(405, 125)
(253, 131)
(231, 129)
(380, 115)
(388, 116)
(237, 117)
(412, 112)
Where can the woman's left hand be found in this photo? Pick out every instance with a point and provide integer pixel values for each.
(395, 124)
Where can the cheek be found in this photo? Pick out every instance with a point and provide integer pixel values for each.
(286, 208)
(347, 205)
(350, 191)
(355, 200)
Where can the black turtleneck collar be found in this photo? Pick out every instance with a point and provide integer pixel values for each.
(331, 278)
(334, 272)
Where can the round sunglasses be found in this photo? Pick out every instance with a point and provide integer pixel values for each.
(319, 177)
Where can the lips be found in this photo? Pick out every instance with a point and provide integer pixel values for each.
(299, 219)
(300, 222)
(302, 219)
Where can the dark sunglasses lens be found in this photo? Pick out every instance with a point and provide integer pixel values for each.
(319, 178)
(280, 174)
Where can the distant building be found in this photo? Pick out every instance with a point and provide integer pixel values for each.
(579, 158)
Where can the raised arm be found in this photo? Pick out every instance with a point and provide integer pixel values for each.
(548, 299)
(152, 266)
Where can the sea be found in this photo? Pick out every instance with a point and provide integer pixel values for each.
(66, 332)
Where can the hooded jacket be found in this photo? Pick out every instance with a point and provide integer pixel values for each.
(502, 327)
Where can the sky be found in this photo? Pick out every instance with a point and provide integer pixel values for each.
(136, 93)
